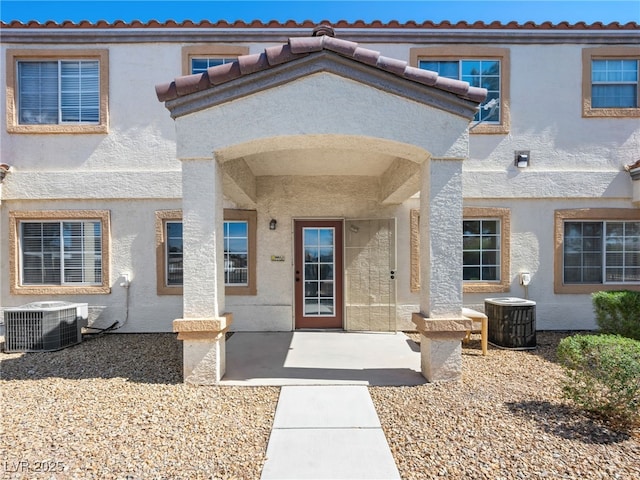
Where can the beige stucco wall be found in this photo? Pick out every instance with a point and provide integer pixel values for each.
(133, 171)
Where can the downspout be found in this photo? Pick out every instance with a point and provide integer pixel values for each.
(634, 171)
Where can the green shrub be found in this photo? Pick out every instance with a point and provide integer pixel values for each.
(618, 312)
(603, 375)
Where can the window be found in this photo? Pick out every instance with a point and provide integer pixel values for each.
(601, 252)
(597, 249)
(484, 67)
(56, 91)
(236, 252)
(478, 73)
(173, 235)
(610, 82)
(486, 233)
(614, 83)
(197, 58)
(200, 65)
(239, 252)
(59, 252)
(481, 250)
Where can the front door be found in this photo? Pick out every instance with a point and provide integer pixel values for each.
(318, 274)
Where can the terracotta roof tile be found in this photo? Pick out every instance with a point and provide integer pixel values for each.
(253, 63)
(303, 46)
(280, 54)
(420, 75)
(224, 73)
(306, 44)
(392, 65)
(191, 83)
(343, 47)
(366, 55)
(393, 24)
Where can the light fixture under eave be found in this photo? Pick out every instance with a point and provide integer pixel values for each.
(272, 224)
(522, 158)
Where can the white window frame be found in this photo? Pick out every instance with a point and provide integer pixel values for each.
(230, 215)
(16, 56)
(489, 113)
(16, 263)
(603, 251)
(614, 83)
(75, 86)
(481, 250)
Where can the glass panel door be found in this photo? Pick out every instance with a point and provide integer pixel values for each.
(318, 274)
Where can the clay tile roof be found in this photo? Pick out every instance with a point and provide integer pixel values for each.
(376, 24)
(300, 47)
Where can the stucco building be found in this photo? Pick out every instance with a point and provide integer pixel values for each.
(272, 177)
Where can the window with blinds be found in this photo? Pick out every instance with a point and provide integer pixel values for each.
(58, 92)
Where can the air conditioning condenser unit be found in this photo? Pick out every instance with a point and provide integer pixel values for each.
(44, 326)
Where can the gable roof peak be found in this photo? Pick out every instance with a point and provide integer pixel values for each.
(323, 29)
(321, 40)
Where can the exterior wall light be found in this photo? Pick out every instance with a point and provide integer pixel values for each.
(272, 224)
(522, 158)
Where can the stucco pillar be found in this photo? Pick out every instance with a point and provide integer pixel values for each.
(440, 320)
(204, 323)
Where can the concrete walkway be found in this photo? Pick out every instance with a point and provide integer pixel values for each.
(326, 426)
(327, 432)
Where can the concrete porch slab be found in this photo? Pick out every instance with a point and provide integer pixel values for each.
(322, 358)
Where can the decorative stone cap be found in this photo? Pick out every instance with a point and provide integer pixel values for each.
(634, 170)
(200, 325)
(438, 325)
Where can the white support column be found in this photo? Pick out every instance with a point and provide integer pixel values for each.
(204, 324)
(440, 320)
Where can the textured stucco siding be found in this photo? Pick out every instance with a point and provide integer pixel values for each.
(134, 170)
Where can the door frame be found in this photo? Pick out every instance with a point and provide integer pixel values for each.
(319, 322)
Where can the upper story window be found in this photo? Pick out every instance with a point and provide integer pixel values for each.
(478, 73)
(60, 252)
(200, 65)
(484, 67)
(614, 83)
(197, 58)
(597, 249)
(57, 91)
(610, 82)
(63, 91)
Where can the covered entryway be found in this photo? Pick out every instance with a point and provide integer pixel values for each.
(319, 128)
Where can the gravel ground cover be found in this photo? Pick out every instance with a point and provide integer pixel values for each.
(505, 420)
(114, 407)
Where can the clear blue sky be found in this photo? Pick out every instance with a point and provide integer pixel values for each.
(573, 11)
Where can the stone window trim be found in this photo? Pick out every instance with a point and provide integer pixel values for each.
(501, 214)
(459, 52)
(15, 217)
(209, 51)
(586, 214)
(164, 216)
(15, 55)
(605, 53)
